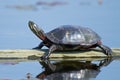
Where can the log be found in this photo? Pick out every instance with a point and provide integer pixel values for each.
(20, 55)
(31, 54)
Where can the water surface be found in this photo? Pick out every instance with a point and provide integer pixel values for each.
(100, 15)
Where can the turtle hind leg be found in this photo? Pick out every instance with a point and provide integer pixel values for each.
(106, 50)
(39, 46)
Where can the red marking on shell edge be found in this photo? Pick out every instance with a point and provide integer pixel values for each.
(99, 42)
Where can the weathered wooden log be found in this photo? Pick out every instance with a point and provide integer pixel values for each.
(25, 54)
(16, 56)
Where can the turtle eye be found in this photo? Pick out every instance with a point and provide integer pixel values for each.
(35, 25)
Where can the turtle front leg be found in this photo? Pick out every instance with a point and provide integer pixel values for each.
(51, 49)
(39, 46)
(107, 51)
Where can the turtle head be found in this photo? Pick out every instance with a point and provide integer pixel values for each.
(36, 30)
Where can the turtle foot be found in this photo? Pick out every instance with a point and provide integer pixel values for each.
(107, 51)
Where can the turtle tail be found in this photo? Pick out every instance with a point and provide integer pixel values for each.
(36, 30)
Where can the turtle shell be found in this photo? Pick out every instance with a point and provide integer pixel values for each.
(73, 35)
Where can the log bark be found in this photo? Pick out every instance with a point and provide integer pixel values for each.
(21, 55)
(25, 54)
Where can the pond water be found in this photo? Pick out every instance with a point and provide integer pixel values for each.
(100, 15)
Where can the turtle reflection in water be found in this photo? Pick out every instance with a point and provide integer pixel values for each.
(71, 70)
(68, 37)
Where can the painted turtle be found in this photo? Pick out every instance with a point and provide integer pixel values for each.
(68, 37)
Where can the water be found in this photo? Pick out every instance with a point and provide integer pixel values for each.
(100, 15)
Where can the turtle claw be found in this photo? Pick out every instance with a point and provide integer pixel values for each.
(44, 57)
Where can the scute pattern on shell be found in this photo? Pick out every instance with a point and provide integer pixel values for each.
(73, 35)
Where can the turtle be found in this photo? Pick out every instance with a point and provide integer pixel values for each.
(68, 37)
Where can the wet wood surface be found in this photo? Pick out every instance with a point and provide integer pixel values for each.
(21, 55)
